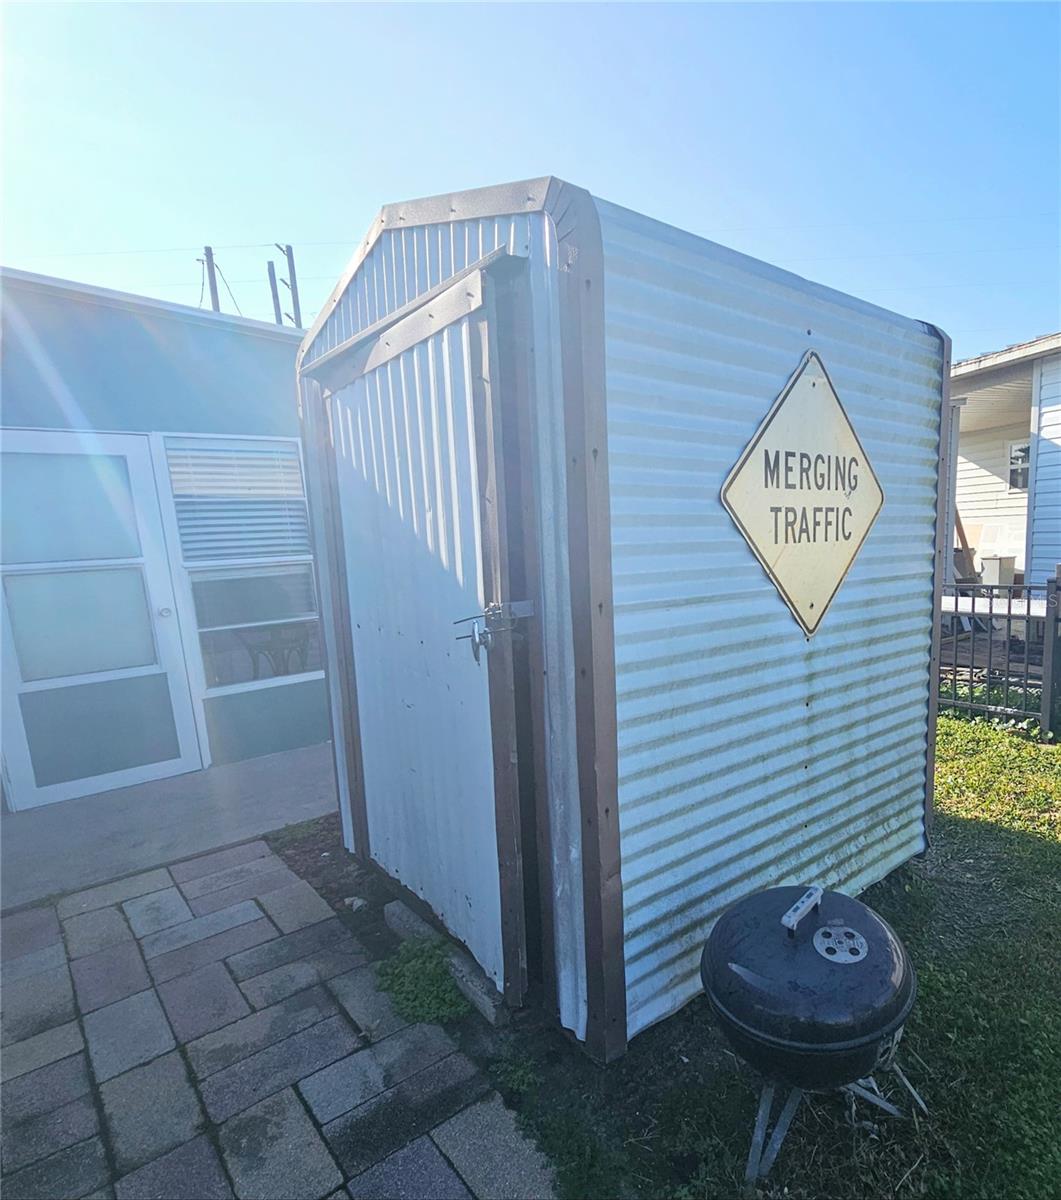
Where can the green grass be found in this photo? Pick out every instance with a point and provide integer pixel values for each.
(981, 917)
(418, 978)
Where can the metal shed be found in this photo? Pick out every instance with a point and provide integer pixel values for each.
(521, 406)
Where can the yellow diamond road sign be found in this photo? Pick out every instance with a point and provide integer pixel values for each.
(804, 494)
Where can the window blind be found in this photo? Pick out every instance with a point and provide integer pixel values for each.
(238, 499)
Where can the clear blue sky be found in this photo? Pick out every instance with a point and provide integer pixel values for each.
(907, 153)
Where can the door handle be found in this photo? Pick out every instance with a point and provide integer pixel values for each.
(481, 639)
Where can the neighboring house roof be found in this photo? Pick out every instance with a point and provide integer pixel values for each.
(1049, 343)
(82, 357)
(101, 295)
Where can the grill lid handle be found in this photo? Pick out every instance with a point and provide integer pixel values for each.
(811, 898)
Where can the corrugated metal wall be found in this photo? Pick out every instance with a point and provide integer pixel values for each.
(405, 263)
(401, 266)
(408, 486)
(748, 755)
(1046, 504)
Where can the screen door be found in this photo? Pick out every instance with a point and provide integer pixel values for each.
(95, 693)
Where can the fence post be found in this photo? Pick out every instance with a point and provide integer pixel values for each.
(1049, 716)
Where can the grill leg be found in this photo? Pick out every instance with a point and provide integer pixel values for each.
(910, 1088)
(760, 1162)
(858, 1089)
(780, 1130)
(755, 1152)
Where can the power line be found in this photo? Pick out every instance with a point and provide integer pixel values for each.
(352, 240)
(228, 289)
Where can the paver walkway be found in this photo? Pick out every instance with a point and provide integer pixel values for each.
(212, 1029)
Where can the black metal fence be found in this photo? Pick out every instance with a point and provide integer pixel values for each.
(999, 655)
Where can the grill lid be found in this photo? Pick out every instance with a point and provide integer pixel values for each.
(803, 968)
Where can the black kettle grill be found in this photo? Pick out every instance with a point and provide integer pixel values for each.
(812, 988)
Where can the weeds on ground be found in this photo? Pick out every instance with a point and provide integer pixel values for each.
(1028, 700)
(518, 1074)
(419, 981)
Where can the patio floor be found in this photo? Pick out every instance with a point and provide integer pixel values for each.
(213, 1029)
(64, 847)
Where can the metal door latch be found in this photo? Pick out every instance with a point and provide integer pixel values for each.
(480, 638)
(496, 618)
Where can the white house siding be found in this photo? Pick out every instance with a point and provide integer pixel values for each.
(1046, 504)
(994, 518)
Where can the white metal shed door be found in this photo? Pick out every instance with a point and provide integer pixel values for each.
(421, 510)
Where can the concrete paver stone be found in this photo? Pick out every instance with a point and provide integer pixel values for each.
(232, 876)
(401, 920)
(320, 965)
(492, 1156)
(149, 1110)
(126, 1033)
(109, 975)
(278, 1066)
(114, 893)
(241, 1039)
(415, 1172)
(45, 1089)
(35, 1004)
(218, 860)
(274, 1152)
(276, 985)
(288, 948)
(26, 965)
(38, 1137)
(402, 1109)
(90, 932)
(210, 949)
(192, 1170)
(198, 928)
(296, 906)
(201, 1002)
(368, 1005)
(372, 1131)
(157, 910)
(72, 1172)
(28, 931)
(249, 889)
(344, 1085)
(59, 1042)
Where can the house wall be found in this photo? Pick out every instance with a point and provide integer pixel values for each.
(84, 359)
(750, 755)
(994, 518)
(1045, 516)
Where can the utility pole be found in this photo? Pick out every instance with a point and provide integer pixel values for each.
(211, 275)
(278, 316)
(291, 282)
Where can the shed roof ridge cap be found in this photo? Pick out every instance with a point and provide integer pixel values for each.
(542, 193)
